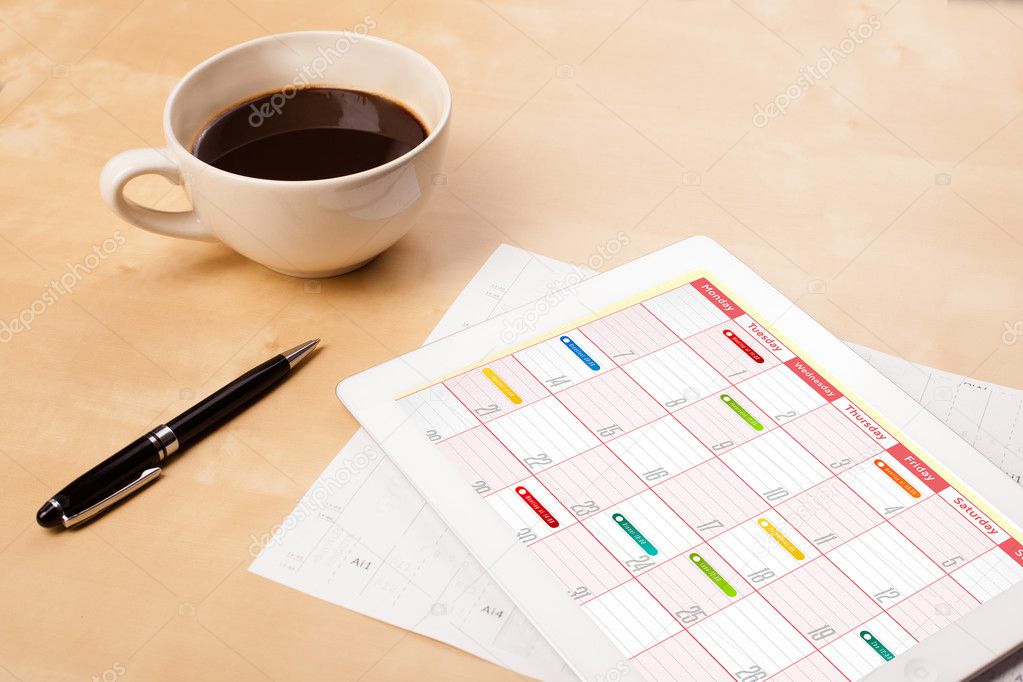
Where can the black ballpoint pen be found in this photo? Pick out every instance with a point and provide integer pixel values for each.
(139, 463)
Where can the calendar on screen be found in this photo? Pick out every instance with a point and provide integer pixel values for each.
(711, 500)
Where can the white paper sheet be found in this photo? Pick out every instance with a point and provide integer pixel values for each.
(363, 538)
(987, 416)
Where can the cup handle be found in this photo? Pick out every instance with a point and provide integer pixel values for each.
(133, 163)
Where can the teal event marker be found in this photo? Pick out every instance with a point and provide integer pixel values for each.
(635, 534)
(875, 644)
(741, 411)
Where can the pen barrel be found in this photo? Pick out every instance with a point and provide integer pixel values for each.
(213, 411)
(109, 476)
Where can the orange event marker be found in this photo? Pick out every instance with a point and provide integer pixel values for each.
(895, 476)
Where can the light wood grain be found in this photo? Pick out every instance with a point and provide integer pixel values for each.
(885, 201)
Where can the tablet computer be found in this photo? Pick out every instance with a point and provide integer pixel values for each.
(677, 474)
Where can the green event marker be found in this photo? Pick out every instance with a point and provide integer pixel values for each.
(640, 539)
(876, 645)
(741, 411)
(714, 576)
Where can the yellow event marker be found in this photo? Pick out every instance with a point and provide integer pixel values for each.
(780, 538)
(502, 386)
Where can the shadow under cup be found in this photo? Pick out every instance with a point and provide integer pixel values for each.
(310, 228)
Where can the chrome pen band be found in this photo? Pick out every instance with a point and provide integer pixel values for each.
(143, 479)
(164, 440)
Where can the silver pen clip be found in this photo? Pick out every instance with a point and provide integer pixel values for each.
(145, 478)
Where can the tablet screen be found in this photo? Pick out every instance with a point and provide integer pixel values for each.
(712, 500)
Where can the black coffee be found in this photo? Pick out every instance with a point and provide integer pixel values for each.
(309, 134)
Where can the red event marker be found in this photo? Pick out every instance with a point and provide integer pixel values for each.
(535, 505)
(743, 346)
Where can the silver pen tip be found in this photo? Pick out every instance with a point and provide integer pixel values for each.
(298, 353)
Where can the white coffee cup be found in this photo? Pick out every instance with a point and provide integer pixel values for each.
(307, 228)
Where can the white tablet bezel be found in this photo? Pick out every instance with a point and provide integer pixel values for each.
(964, 647)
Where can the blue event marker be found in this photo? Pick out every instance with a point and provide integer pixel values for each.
(580, 353)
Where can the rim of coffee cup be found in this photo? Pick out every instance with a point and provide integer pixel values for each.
(382, 169)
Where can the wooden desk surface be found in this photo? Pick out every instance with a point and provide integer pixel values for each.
(885, 200)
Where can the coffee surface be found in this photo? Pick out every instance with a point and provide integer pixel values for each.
(309, 134)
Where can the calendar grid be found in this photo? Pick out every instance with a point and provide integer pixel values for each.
(533, 476)
(746, 520)
(771, 506)
(717, 455)
(898, 530)
(482, 425)
(725, 559)
(840, 634)
(782, 426)
(886, 520)
(617, 437)
(485, 426)
(632, 578)
(949, 574)
(910, 541)
(738, 402)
